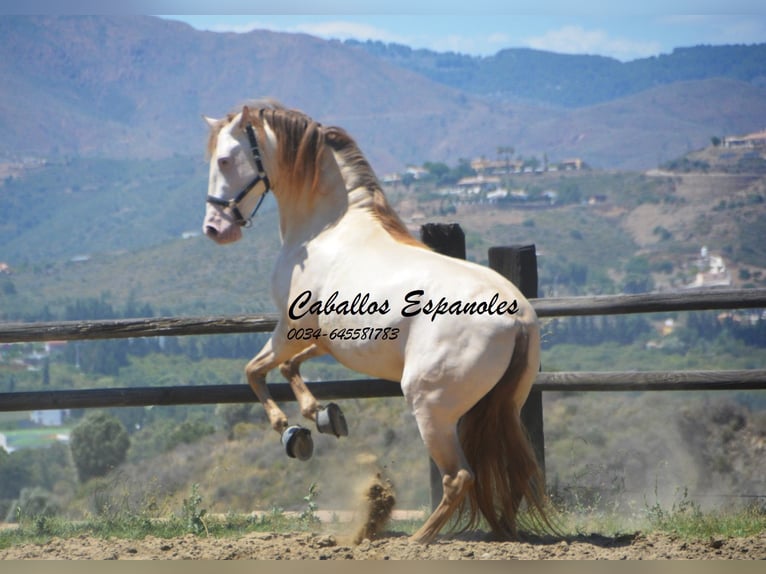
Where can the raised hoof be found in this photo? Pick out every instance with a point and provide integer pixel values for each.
(298, 443)
(330, 420)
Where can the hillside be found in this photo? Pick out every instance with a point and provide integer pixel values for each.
(118, 228)
(573, 81)
(135, 87)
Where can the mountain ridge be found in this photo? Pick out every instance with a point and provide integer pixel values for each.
(135, 86)
(549, 77)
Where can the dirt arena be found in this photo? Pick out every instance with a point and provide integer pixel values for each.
(390, 546)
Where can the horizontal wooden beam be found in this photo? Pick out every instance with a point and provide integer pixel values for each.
(188, 395)
(374, 388)
(126, 328)
(730, 380)
(216, 325)
(691, 300)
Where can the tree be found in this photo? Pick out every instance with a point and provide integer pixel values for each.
(233, 414)
(506, 152)
(436, 169)
(98, 444)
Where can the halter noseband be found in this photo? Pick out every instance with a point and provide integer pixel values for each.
(260, 176)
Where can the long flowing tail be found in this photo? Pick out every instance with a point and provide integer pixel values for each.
(501, 456)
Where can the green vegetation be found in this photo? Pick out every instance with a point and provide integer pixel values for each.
(192, 518)
(99, 444)
(683, 518)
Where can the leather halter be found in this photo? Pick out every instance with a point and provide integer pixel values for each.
(260, 177)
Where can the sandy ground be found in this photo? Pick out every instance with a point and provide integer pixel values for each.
(389, 546)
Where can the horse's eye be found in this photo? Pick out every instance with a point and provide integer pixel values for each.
(223, 162)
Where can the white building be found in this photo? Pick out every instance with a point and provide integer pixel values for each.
(49, 418)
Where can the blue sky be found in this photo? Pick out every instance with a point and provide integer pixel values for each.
(622, 30)
(594, 27)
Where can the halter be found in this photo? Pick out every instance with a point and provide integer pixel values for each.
(233, 204)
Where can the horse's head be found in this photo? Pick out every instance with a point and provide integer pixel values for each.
(237, 182)
(252, 151)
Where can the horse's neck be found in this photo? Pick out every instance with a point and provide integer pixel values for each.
(339, 193)
(305, 212)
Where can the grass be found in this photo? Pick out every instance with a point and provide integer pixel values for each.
(684, 519)
(193, 518)
(34, 437)
(687, 520)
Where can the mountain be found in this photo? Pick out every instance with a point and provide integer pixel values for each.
(573, 80)
(136, 86)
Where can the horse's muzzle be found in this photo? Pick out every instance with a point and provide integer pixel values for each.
(219, 227)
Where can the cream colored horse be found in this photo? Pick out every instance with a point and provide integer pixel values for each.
(352, 282)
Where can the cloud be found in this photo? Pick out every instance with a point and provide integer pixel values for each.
(343, 30)
(577, 40)
(333, 29)
(721, 29)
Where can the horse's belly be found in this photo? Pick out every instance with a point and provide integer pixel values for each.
(381, 360)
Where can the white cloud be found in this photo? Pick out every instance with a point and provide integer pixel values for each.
(334, 29)
(343, 30)
(721, 29)
(577, 40)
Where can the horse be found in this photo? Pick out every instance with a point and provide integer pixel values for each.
(352, 282)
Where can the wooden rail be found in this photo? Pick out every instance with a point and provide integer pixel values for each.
(373, 388)
(216, 325)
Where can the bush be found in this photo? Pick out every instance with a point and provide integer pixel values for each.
(32, 503)
(98, 444)
(189, 432)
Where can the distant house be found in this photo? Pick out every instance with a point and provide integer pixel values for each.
(53, 347)
(551, 195)
(478, 183)
(713, 272)
(416, 172)
(497, 194)
(751, 141)
(484, 166)
(50, 418)
(574, 164)
(392, 178)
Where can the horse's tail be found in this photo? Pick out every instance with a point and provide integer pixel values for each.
(498, 450)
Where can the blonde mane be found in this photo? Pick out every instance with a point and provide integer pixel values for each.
(363, 176)
(302, 142)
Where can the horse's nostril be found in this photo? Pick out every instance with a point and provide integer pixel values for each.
(211, 231)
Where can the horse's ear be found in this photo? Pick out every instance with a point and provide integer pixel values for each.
(210, 121)
(245, 118)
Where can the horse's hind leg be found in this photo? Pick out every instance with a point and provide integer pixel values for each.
(441, 438)
(329, 419)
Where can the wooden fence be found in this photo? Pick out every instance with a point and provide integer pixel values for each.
(518, 263)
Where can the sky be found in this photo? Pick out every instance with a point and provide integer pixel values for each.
(594, 28)
(618, 29)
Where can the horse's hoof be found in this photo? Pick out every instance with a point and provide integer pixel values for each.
(297, 442)
(330, 420)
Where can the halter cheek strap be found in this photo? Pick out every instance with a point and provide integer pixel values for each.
(260, 177)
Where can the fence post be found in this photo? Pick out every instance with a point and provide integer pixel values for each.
(518, 263)
(447, 239)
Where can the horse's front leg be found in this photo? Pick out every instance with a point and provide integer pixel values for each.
(328, 419)
(296, 440)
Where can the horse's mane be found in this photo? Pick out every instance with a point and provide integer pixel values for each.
(363, 176)
(302, 142)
